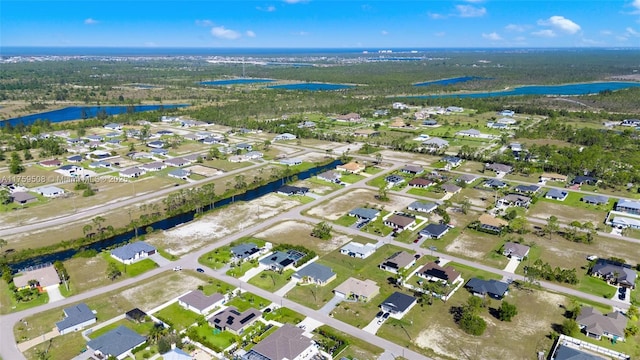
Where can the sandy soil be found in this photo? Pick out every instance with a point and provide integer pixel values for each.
(437, 338)
(316, 188)
(463, 245)
(155, 293)
(415, 159)
(283, 229)
(565, 213)
(219, 224)
(203, 170)
(335, 208)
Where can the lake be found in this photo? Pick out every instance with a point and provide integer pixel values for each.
(566, 89)
(238, 81)
(311, 86)
(449, 81)
(76, 113)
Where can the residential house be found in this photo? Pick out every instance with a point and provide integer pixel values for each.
(307, 125)
(199, 303)
(553, 177)
(567, 350)
(234, 321)
(430, 122)
(398, 123)
(284, 137)
(492, 224)
(176, 354)
(595, 199)
(498, 126)
(253, 155)
(581, 180)
(467, 178)
(177, 162)
(160, 152)
(280, 260)
(628, 206)
(515, 251)
(615, 273)
(493, 288)
(358, 250)
(435, 143)
(509, 113)
(211, 141)
(366, 133)
(454, 109)
(50, 163)
(113, 126)
(243, 252)
(451, 189)
(351, 167)
(399, 106)
(495, 184)
(133, 252)
(44, 277)
(366, 214)
(498, 168)
(314, 274)
(379, 113)
(527, 189)
(330, 176)
(622, 222)
(49, 191)
(515, 200)
(153, 166)
(394, 180)
(421, 206)
(596, 325)
(452, 161)
(94, 138)
(164, 132)
(75, 141)
(290, 162)
(76, 318)
(470, 133)
(556, 194)
(117, 343)
(506, 121)
(630, 122)
(100, 165)
(350, 117)
(420, 182)
(434, 272)
(412, 170)
(399, 222)
(21, 197)
(397, 262)
(398, 304)
(434, 231)
(156, 144)
(357, 290)
(133, 172)
(181, 174)
(292, 190)
(286, 343)
(244, 146)
(75, 159)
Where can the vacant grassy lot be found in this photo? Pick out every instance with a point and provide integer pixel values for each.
(271, 280)
(351, 178)
(141, 328)
(59, 348)
(475, 245)
(335, 208)
(248, 300)
(357, 349)
(178, 317)
(299, 233)
(284, 315)
(566, 213)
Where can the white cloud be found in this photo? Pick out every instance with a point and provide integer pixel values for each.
(250, 33)
(544, 33)
(384, 32)
(294, 1)
(470, 11)
(561, 23)
(269, 8)
(515, 28)
(223, 33)
(492, 36)
(636, 4)
(474, 1)
(606, 32)
(301, 33)
(591, 42)
(90, 21)
(437, 16)
(631, 31)
(520, 39)
(150, 44)
(440, 34)
(205, 23)
(621, 38)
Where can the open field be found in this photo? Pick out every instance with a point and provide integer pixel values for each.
(476, 245)
(299, 233)
(333, 209)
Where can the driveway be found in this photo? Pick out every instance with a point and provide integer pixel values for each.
(251, 273)
(512, 265)
(373, 326)
(54, 293)
(287, 287)
(328, 307)
(160, 260)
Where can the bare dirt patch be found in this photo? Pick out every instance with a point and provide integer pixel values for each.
(465, 246)
(415, 159)
(219, 224)
(566, 213)
(337, 207)
(299, 233)
(156, 292)
(203, 170)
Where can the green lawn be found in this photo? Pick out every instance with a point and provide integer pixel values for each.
(238, 271)
(595, 286)
(302, 198)
(9, 303)
(134, 269)
(372, 170)
(351, 178)
(178, 317)
(469, 272)
(378, 227)
(271, 280)
(217, 258)
(219, 341)
(248, 300)
(429, 192)
(284, 315)
(574, 199)
(59, 348)
(346, 220)
(378, 182)
(141, 328)
(357, 349)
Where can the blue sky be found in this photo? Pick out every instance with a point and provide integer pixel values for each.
(321, 23)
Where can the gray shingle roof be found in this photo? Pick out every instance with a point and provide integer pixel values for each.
(556, 193)
(398, 301)
(199, 300)
(75, 315)
(242, 251)
(129, 251)
(491, 287)
(567, 353)
(116, 341)
(316, 272)
(364, 213)
(285, 343)
(612, 323)
(606, 268)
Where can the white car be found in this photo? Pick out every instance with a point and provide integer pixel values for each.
(177, 268)
(592, 257)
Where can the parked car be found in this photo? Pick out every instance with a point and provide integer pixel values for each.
(416, 240)
(177, 268)
(622, 296)
(386, 315)
(200, 270)
(416, 256)
(379, 314)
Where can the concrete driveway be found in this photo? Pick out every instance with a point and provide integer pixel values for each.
(54, 293)
(160, 260)
(287, 287)
(251, 273)
(328, 307)
(512, 265)
(373, 326)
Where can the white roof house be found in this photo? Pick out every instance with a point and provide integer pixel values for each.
(358, 250)
(50, 191)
